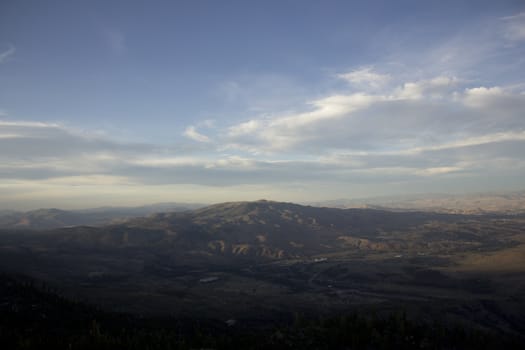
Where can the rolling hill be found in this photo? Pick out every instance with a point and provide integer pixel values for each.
(52, 218)
(264, 258)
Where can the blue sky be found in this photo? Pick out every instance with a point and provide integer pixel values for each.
(131, 102)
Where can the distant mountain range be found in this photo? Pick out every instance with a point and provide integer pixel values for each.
(44, 219)
(480, 203)
(261, 229)
(272, 229)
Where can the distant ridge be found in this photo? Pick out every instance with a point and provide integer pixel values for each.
(264, 229)
(258, 228)
(471, 204)
(477, 203)
(51, 218)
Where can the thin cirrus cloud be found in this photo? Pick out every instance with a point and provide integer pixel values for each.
(7, 54)
(514, 27)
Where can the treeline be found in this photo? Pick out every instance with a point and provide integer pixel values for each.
(34, 317)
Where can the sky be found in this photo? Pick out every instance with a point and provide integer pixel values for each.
(135, 102)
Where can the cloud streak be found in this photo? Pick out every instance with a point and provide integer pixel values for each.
(515, 27)
(7, 54)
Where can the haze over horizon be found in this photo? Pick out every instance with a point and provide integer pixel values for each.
(128, 103)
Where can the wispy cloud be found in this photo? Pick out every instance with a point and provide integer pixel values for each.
(515, 27)
(192, 133)
(412, 114)
(436, 87)
(365, 76)
(6, 55)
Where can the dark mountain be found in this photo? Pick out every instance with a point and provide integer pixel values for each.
(262, 229)
(274, 229)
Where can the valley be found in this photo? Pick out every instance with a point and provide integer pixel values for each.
(269, 260)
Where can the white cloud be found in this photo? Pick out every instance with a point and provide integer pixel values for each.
(351, 119)
(168, 161)
(331, 107)
(438, 170)
(89, 180)
(472, 141)
(286, 131)
(24, 124)
(365, 76)
(436, 87)
(191, 132)
(4, 56)
(481, 96)
(233, 162)
(10, 136)
(244, 128)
